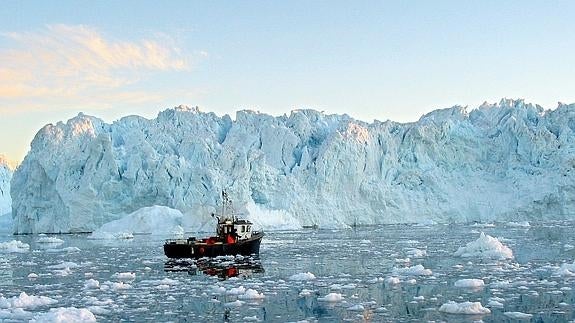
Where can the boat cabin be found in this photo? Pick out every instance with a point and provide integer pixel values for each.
(240, 229)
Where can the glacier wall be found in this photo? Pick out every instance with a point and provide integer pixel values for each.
(5, 177)
(505, 161)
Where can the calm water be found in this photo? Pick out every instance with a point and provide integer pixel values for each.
(353, 263)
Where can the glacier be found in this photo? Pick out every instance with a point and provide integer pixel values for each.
(5, 178)
(508, 161)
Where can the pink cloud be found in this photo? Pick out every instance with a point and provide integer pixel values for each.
(63, 62)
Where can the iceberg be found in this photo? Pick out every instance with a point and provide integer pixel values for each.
(485, 247)
(5, 177)
(510, 161)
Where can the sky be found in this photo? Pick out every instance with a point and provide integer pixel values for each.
(381, 60)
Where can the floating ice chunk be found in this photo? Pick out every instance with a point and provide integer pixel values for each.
(464, 308)
(568, 247)
(493, 303)
(566, 270)
(14, 246)
(53, 240)
(32, 275)
(26, 301)
(120, 286)
(349, 286)
(218, 290)
(376, 280)
(470, 283)
(124, 276)
(356, 308)
(147, 220)
(66, 314)
(486, 247)
(419, 298)
(416, 253)
(417, 270)
(483, 225)
(392, 280)
(522, 224)
(92, 284)
(236, 303)
(251, 294)
(331, 297)
(302, 276)
(518, 315)
(64, 265)
(250, 319)
(365, 241)
(236, 291)
(305, 293)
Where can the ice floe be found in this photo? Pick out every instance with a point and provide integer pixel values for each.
(302, 276)
(331, 297)
(417, 270)
(452, 307)
(53, 240)
(518, 315)
(14, 246)
(66, 314)
(470, 283)
(26, 301)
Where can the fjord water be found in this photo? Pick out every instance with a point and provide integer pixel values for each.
(352, 264)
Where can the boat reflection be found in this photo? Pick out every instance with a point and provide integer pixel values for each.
(222, 267)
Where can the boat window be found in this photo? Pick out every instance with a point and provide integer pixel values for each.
(243, 228)
(248, 229)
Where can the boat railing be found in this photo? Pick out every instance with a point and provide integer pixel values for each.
(180, 240)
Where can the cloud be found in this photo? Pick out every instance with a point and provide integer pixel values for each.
(63, 63)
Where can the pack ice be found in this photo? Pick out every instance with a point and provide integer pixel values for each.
(509, 161)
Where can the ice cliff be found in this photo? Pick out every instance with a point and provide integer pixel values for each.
(505, 161)
(5, 177)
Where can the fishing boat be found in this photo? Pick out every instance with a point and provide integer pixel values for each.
(234, 236)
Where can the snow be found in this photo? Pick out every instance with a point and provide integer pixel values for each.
(452, 307)
(302, 276)
(66, 314)
(485, 247)
(470, 283)
(509, 162)
(14, 246)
